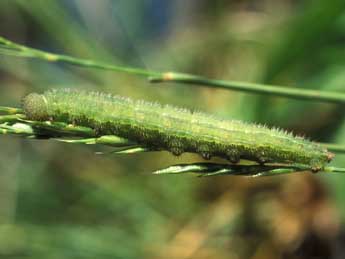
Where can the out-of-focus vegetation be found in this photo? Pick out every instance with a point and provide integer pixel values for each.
(63, 201)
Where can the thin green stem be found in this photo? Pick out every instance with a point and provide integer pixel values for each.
(10, 48)
(282, 91)
(13, 49)
(10, 118)
(332, 169)
(10, 110)
(55, 129)
(336, 148)
(109, 140)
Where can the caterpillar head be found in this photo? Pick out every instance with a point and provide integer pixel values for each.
(35, 107)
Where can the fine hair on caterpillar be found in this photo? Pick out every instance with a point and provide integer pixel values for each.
(164, 127)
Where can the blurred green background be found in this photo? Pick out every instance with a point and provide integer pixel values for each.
(63, 201)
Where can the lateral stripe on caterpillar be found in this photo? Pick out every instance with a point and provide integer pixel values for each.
(174, 129)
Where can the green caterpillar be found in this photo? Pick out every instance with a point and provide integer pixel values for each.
(174, 129)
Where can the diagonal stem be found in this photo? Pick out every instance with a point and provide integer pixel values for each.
(10, 48)
(282, 91)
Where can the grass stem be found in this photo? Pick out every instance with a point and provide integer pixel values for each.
(8, 47)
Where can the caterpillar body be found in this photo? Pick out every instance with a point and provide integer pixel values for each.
(174, 129)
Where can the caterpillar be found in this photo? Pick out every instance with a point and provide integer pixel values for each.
(164, 127)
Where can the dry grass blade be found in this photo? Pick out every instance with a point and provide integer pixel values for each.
(213, 169)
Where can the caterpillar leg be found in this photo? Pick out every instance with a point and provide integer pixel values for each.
(317, 165)
(233, 156)
(176, 148)
(204, 151)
